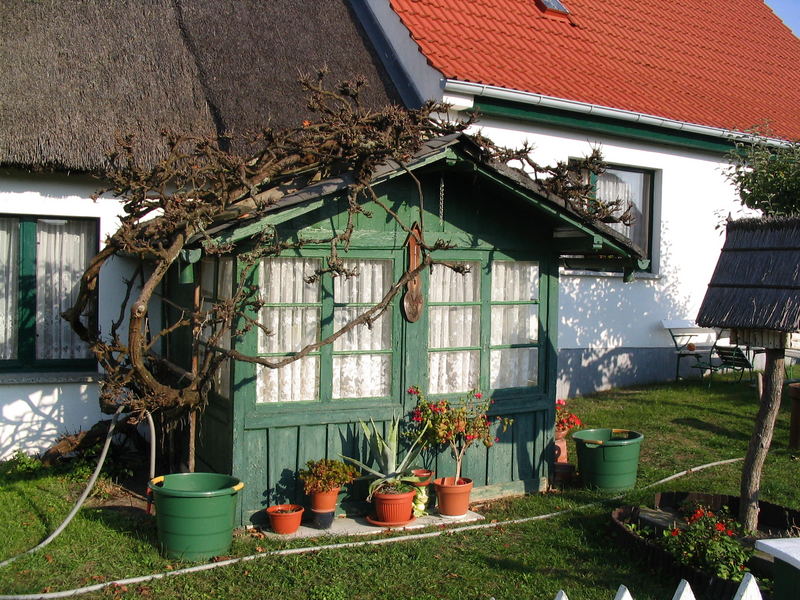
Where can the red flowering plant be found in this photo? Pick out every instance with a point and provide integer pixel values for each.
(565, 420)
(709, 542)
(457, 424)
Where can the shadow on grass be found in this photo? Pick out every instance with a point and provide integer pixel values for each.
(128, 520)
(700, 425)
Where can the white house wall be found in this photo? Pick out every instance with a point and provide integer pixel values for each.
(610, 332)
(36, 408)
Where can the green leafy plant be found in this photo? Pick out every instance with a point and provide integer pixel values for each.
(708, 542)
(456, 424)
(326, 474)
(384, 450)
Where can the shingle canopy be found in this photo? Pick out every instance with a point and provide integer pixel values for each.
(77, 73)
(756, 284)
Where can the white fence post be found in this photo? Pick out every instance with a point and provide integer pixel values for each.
(748, 590)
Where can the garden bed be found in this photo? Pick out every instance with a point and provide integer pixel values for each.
(774, 521)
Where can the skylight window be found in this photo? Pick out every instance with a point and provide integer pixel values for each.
(554, 5)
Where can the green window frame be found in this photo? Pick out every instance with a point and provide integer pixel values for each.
(26, 246)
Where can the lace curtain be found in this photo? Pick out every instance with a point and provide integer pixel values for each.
(630, 189)
(219, 289)
(366, 374)
(514, 324)
(9, 273)
(452, 327)
(63, 249)
(292, 327)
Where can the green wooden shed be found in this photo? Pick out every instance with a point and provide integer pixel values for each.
(492, 329)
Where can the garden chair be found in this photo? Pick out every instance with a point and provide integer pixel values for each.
(725, 358)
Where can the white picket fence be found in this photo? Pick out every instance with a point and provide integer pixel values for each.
(748, 590)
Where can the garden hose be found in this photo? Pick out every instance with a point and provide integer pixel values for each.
(376, 542)
(81, 500)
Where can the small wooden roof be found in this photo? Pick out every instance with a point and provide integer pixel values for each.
(756, 284)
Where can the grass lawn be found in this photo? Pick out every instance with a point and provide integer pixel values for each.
(685, 425)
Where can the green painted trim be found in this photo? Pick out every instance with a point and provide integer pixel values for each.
(26, 328)
(601, 125)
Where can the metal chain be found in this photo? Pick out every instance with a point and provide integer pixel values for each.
(441, 200)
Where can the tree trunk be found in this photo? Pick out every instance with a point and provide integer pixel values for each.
(770, 403)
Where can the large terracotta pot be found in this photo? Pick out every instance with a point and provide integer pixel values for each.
(452, 497)
(285, 518)
(561, 447)
(393, 508)
(325, 501)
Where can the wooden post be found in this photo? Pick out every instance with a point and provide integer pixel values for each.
(794, 423)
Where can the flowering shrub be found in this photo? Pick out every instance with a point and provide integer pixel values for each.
(708, 542)
(565, 420)
(456, 424)
(326, 474)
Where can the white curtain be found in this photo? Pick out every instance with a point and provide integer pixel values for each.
(62, 253)
(291, 328)
(218, 290)
(629, 188)
(362, 375)
(514, 324)
(9, 274)
(452, 327)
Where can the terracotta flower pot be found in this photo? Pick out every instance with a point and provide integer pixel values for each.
(285, 518)
(325, 501)
(561, 447)
(393, 508)
(452, 497)
(427, 473)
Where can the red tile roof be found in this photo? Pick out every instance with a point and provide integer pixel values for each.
(730, 64)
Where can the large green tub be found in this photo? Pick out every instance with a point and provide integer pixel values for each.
(608, 458)
(195, 513)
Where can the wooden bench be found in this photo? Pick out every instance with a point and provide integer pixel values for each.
(686, 336)
(730, 358)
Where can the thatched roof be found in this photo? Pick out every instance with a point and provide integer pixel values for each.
(756, 284)
(76, 74)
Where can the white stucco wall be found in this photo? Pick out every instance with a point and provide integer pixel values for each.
(613, 323)
(36, 408)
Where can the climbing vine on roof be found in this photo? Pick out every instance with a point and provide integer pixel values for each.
(198, 185)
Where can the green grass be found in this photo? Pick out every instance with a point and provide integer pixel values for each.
(685, 425)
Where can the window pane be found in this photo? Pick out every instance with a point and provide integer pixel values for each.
(295, 382)
(283, 280)
(514, 367)
(630, 188)
(207, 277)
(515, 324)
(362, 375)
(369, 286)
(9, 273)
(63, 250)
(448, 286)
(225, 277)
(515, 281)
(451, 372)
(291, 328)
(454, 326)
(362, 337)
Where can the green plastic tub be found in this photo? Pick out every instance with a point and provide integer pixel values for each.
(195, 514)
(608, 459)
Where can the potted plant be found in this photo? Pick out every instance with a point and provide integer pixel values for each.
(285, 518)
(565, 421)
(458, 425)
(391, 492)
(322, 480)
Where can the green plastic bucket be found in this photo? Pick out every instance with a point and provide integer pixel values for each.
(608, 458)
(195, 513)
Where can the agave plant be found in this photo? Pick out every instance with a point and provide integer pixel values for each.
(384, 450)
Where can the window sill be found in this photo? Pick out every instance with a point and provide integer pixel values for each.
(580, 273)
(48, 377)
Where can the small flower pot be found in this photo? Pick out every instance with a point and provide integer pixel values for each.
(452, 497)
(426, 473)
(325, 501)
(322, 519)
(285, 518)
(393, 508)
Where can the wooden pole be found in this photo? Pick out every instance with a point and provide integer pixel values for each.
(761, 438)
